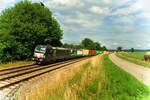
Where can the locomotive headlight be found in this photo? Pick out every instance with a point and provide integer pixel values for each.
(41, 59)
(36, 55)
(42, 56)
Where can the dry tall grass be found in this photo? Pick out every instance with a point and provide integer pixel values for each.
(71, 84)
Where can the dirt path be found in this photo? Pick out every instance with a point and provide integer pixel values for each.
(141, 73)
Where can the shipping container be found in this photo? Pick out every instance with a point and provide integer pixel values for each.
(79, 53)
(74, 53)
(92, 52)
(85, 52)
(105, 52)
(98, 52)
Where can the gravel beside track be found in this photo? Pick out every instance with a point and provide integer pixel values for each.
(11, 80)
(141, 73)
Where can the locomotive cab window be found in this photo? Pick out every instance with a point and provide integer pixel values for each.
(40, 49)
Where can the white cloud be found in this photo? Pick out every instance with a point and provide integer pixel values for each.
(139, 5)
(109, 3)
(84, 23)
(3, 3)
(98, 10)
(105, 1)
(84, 20)
(122, 30)
(126, 11)
(118, 3)
(64, 3)
(114, 43)
(143, 15)
(124, 20)
(143, 4)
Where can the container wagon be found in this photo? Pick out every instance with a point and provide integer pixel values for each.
(98, 52)
(79, 52)
(92, 52)
(85, 52)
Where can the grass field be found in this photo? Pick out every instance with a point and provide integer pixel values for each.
(136, 57)
(99, 79)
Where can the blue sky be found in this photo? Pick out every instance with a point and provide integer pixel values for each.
(113, 23)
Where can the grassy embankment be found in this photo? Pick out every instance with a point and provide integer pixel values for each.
(136, 57)
(99, 79)
(119, 85)
(16, 63)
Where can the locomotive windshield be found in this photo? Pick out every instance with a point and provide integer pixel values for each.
(40, 49)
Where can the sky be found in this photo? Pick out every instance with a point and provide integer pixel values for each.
(113, 23)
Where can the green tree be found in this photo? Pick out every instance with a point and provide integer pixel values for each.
(98, 46)
(104, 48)
(88, 44)
(132, 49)
(25, 25)
(119, 48)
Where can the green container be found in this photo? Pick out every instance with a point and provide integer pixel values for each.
(98, 52)
(74, 54)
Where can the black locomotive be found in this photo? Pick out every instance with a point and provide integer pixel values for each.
(47, 54)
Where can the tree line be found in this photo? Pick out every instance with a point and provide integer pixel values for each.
(86, 44)
(120, 49)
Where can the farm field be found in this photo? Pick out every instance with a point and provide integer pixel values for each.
(136, 57)
(98, 79)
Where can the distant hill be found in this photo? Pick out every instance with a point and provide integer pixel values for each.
(136, 50)
(142, 50)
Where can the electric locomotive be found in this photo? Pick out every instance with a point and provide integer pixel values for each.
(47, 54)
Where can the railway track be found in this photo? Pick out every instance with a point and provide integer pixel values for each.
(14, 76)
(13, 68)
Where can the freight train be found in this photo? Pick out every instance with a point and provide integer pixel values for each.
(47, 54)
